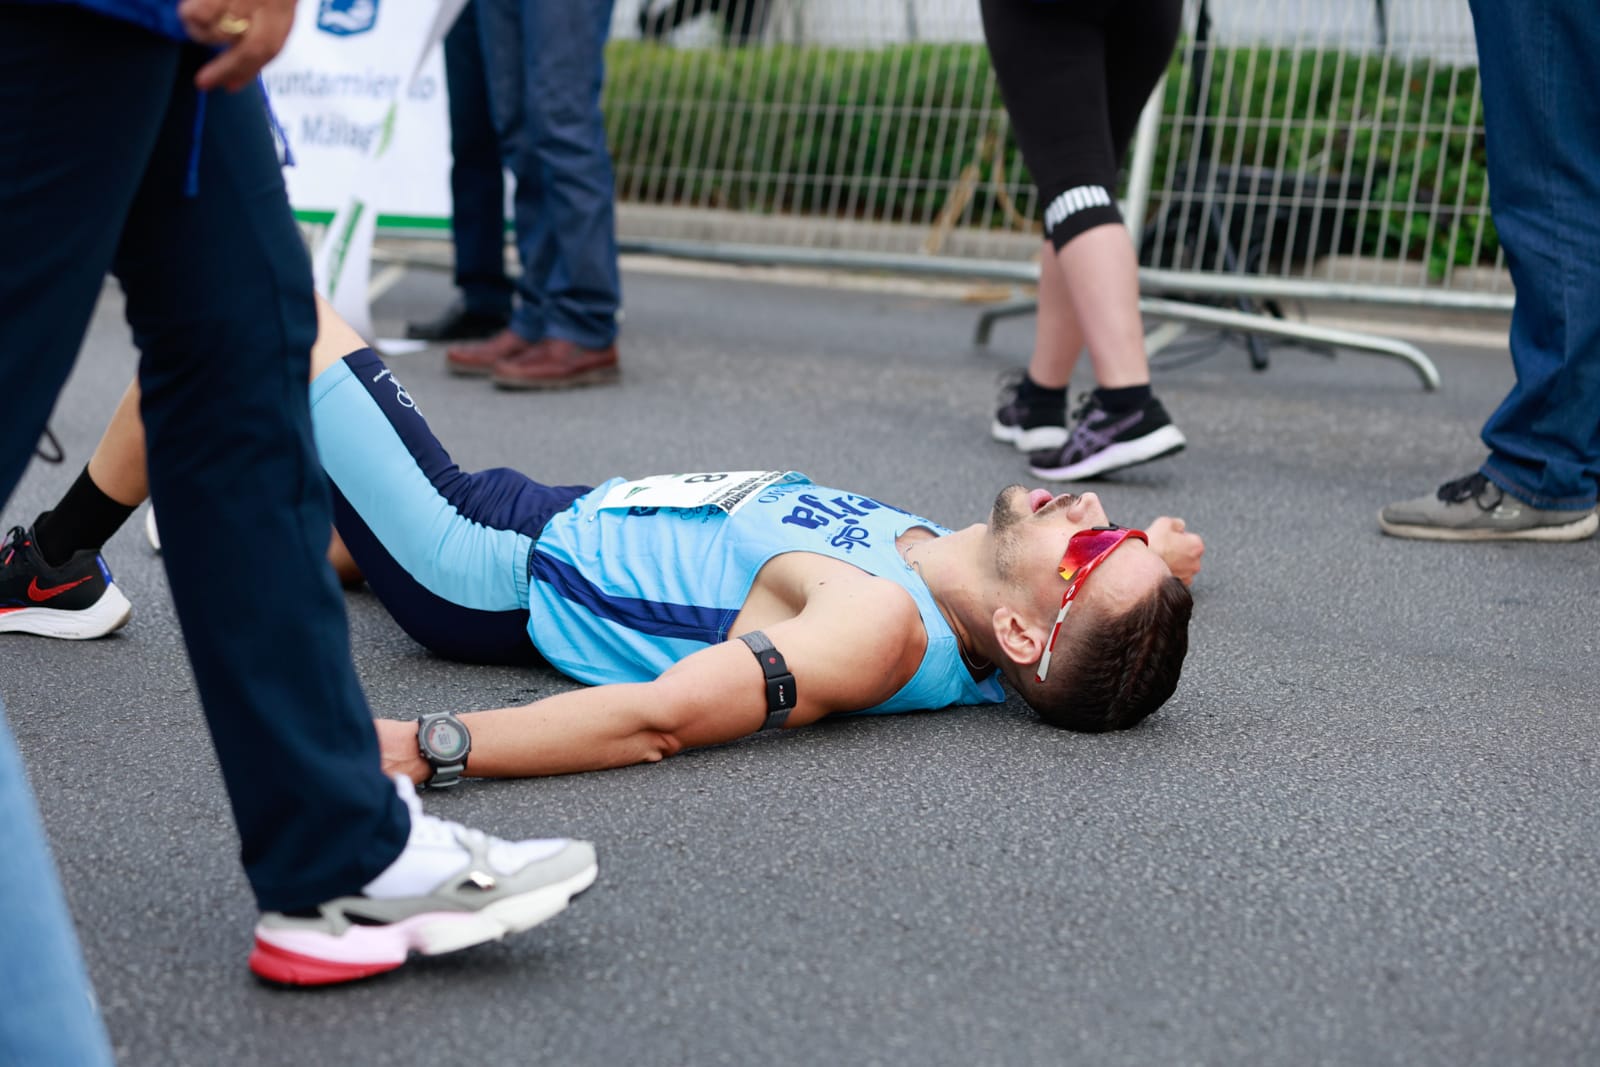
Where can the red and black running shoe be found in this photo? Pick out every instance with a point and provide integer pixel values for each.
(75, 601)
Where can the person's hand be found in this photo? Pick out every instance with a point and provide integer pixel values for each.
(249, 32)
(1178, 548)
(397, 747)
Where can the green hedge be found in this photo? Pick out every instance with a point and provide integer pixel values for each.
(885, 134)
(796, 129)
(1351, 120)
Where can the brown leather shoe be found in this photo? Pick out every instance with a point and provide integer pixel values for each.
(557, 363)
(479, 359)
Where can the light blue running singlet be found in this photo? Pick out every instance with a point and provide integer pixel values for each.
(619, 595)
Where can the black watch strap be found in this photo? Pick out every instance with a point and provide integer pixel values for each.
(780, 683)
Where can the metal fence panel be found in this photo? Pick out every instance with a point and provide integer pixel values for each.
(1303, 148)
(1347, 148)
(862, 126)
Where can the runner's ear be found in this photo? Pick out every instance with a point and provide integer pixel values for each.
(1020, 641)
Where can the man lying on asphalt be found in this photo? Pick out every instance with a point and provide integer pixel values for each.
(699, 607)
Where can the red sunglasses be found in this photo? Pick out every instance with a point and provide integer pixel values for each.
(1085, 550)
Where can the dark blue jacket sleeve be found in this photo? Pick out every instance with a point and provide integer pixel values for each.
(158, 16)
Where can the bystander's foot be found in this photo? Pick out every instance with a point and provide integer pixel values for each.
(1031, 418)
(479, 360)
(1475, 509)
(557, 363)
(450, 888)
(458, 323)
(74, 601)
(1102, 441)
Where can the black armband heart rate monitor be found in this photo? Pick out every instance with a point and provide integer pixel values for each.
(780, 683)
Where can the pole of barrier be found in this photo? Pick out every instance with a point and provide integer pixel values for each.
(1143, 162)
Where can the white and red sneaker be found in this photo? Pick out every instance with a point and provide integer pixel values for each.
(450, 888)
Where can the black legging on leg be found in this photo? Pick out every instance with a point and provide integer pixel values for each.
(1074, 77)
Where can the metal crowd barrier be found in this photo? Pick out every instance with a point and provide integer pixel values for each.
(1299, 150)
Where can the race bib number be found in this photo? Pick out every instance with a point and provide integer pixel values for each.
(727, 490)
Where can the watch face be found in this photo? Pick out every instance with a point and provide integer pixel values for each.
(445, 740)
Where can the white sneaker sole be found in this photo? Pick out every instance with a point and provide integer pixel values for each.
(1163, 442)
(365, 950)
(1034, 440)
(1569, 531)
(106, 615)
(151, 534)
(510, 916)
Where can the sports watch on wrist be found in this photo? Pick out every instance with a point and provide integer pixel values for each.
(444, 742)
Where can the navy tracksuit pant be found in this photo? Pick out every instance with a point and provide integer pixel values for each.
(99, 139)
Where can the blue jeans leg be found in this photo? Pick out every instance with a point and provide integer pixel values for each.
(47, 1012)
(477, 180)
(546, 99)
(567, 137)
(1542, 115)
(500, 33)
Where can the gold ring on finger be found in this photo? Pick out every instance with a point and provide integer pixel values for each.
(233, 25)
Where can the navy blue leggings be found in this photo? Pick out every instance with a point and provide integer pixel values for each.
(446, 551)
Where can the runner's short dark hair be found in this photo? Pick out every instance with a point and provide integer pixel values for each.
(1117, 670)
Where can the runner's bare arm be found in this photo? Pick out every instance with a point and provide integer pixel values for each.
(848, 649)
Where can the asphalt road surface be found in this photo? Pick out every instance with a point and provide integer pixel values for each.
(1364, 831)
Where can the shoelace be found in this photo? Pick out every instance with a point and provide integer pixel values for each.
(1472, 487)
(480, 869)
(1085, 404)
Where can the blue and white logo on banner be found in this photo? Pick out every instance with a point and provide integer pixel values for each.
(345, 18)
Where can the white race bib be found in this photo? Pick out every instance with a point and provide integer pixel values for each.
(728, 490)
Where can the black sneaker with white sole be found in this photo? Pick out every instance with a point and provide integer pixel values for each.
(1022, 420)
(75, 601)
(1101, 442)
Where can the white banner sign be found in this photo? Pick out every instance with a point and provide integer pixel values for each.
(369, 84)
(331, 87)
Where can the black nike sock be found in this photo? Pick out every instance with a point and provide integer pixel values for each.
(85, 518)
(1121, 401)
